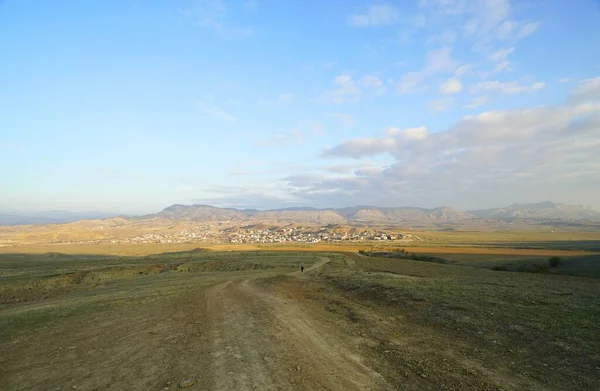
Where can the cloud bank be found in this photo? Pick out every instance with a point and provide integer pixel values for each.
(546, 151)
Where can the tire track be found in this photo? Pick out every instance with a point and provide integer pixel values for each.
(263, 341)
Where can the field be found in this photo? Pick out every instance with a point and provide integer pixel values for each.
(245, 318)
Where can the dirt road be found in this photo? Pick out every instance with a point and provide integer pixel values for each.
(265, 342)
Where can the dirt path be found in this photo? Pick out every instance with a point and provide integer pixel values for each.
(266, 342)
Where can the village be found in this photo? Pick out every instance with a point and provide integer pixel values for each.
(296, 234)
(212, 234)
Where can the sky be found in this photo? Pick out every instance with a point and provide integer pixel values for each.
(129, 106)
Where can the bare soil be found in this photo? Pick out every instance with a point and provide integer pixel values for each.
(342, 324)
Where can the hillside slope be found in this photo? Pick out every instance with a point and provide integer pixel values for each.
(540, 210)
(379, 215)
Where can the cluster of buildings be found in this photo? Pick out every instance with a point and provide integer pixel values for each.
(220, 234)
(191, 235)
(285, 235)
(271, 236)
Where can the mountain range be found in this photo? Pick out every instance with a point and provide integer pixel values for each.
(379, 215)
(359, 215)
(49, 217)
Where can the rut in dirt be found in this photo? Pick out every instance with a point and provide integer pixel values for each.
(261, 341)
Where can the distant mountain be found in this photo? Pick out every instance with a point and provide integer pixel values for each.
(300, 216)
(540, 211)
(359, 215)
(373, 214)
(365, 214)
(200, 213)
(418, 214)
(15, 219)
(49, 217)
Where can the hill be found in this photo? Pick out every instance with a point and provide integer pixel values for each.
(364, 214)
(319, 217)
(540, 211)
(199, 213)
(536, 213)
(49, 217)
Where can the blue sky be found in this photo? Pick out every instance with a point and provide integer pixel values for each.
(130, 106)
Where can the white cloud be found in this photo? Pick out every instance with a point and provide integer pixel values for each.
(451, 86)
(376, 15)
(373, 83)
(392, 131)
(483, 21)
(587, 90)
(344, 119)
(509, 87)
(516, 29)
(528, 126)
(214, 15)
(371, 146)
(491, 28)
(417, 133)
(564, 80)
(538, 86)
(210, 110)
(500, 55)
(539, 153)
(340, 168)
(500, 58)
(501, 67)
(526, 29)
(439, 104)
(411, 82)
(440, 61)
(437, 61)
(361, 147)
(346, 90)
(476, 102)
(367, 171)
(485, 16)
(462, 70)
(507, 28)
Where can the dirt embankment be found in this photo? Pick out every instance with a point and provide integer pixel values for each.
(56, 285)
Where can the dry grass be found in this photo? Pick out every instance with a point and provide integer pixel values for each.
(152, 248)
(137, 322)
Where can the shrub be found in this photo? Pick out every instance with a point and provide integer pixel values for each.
(534, 268)
(540, 268)
(554, 261)
(500, 268)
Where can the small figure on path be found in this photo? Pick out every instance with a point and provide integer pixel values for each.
(302, 269)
